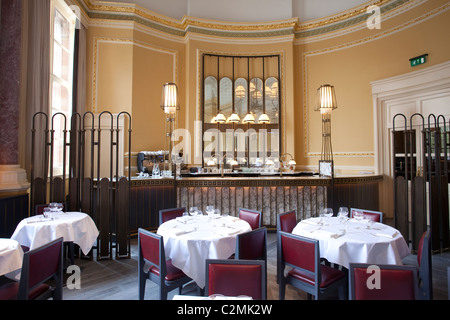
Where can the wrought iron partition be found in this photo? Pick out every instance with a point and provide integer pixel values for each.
(421, 178)
(89, 159)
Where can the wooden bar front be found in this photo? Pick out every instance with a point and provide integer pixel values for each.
(270, 194)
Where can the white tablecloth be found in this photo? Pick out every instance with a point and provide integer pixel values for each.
(189, 241)
(354, 241)
(36, 231)
(11, 256)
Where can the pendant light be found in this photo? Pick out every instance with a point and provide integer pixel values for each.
(249, 118)
(234, 118)
(220, 118)
(264, 118)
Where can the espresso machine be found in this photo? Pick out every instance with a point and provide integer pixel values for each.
(147, 159)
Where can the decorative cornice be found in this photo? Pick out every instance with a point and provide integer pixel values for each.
(124, 12)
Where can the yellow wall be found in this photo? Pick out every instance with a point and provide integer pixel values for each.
(351, 63)
(128, 66)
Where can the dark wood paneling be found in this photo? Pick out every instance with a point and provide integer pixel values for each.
(145, 203)
(12, 211)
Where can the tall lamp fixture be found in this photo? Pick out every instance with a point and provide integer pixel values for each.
(325, 103)
(170, 105)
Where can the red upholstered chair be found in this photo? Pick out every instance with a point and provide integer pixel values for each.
(253, 217)
(236, 277)
(154, 266)
(39, 265)
(287, 221)
(425, 268)
(169, 214)
(387, 282)
(376, 216)
(252, 245)
(307, 273)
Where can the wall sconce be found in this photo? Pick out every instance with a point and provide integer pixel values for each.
(325, 103)
(169, 103)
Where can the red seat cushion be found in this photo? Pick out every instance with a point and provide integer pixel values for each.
(173, 273)
(329, 275)
(10, 290)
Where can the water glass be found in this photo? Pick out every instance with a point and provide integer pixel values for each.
(193, 211)
(343, 213)
(328, 212)
(210, 210)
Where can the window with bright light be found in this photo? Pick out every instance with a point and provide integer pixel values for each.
(61, 75)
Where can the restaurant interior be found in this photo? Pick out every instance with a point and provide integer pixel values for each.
(224, 150)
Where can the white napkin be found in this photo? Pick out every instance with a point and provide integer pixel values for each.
(387, 233)
(331, 233)
(179, 232)
(312, 222)
(228, 232)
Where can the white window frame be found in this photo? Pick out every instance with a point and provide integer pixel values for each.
(59, 143)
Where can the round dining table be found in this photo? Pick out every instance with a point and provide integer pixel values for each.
(76, 227)
(343, 241)
(11, 256)
(190, 240)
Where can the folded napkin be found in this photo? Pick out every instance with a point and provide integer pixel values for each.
(330, 233)
(228, 232)
(312, 222)
(387, 233)
(179, 232)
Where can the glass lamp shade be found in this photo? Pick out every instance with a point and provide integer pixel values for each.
(325, 99)
(249, 118)
(292, 163)
(234, 118)
(169, 98)
(264, 118)
(240, 91)
(220, 118)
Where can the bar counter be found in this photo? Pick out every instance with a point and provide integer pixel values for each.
(270, 193)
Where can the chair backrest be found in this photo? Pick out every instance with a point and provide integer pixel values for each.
(253, 217)
(169, 214)
(425, 268)
(151, 249)
(301, 253)
(382, 282)
(287, 221)
(376, 216)
(39, 265)
(236, 277)
(252, 245)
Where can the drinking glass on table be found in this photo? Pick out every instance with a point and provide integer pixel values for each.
(328, 212)
(209, 210)
(343, 213)
(193, 211)
(358, 215)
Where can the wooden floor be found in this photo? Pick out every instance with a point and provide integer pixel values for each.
(118, 279)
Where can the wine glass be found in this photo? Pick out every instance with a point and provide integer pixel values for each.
(328, 212)
(343, 213)
(210, 210)
(358, 215)
(193, 211)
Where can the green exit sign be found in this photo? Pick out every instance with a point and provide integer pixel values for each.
(418, 60)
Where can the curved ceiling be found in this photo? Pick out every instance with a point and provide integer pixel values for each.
(248, 10)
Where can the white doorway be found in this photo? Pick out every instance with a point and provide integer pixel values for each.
(426, 91)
